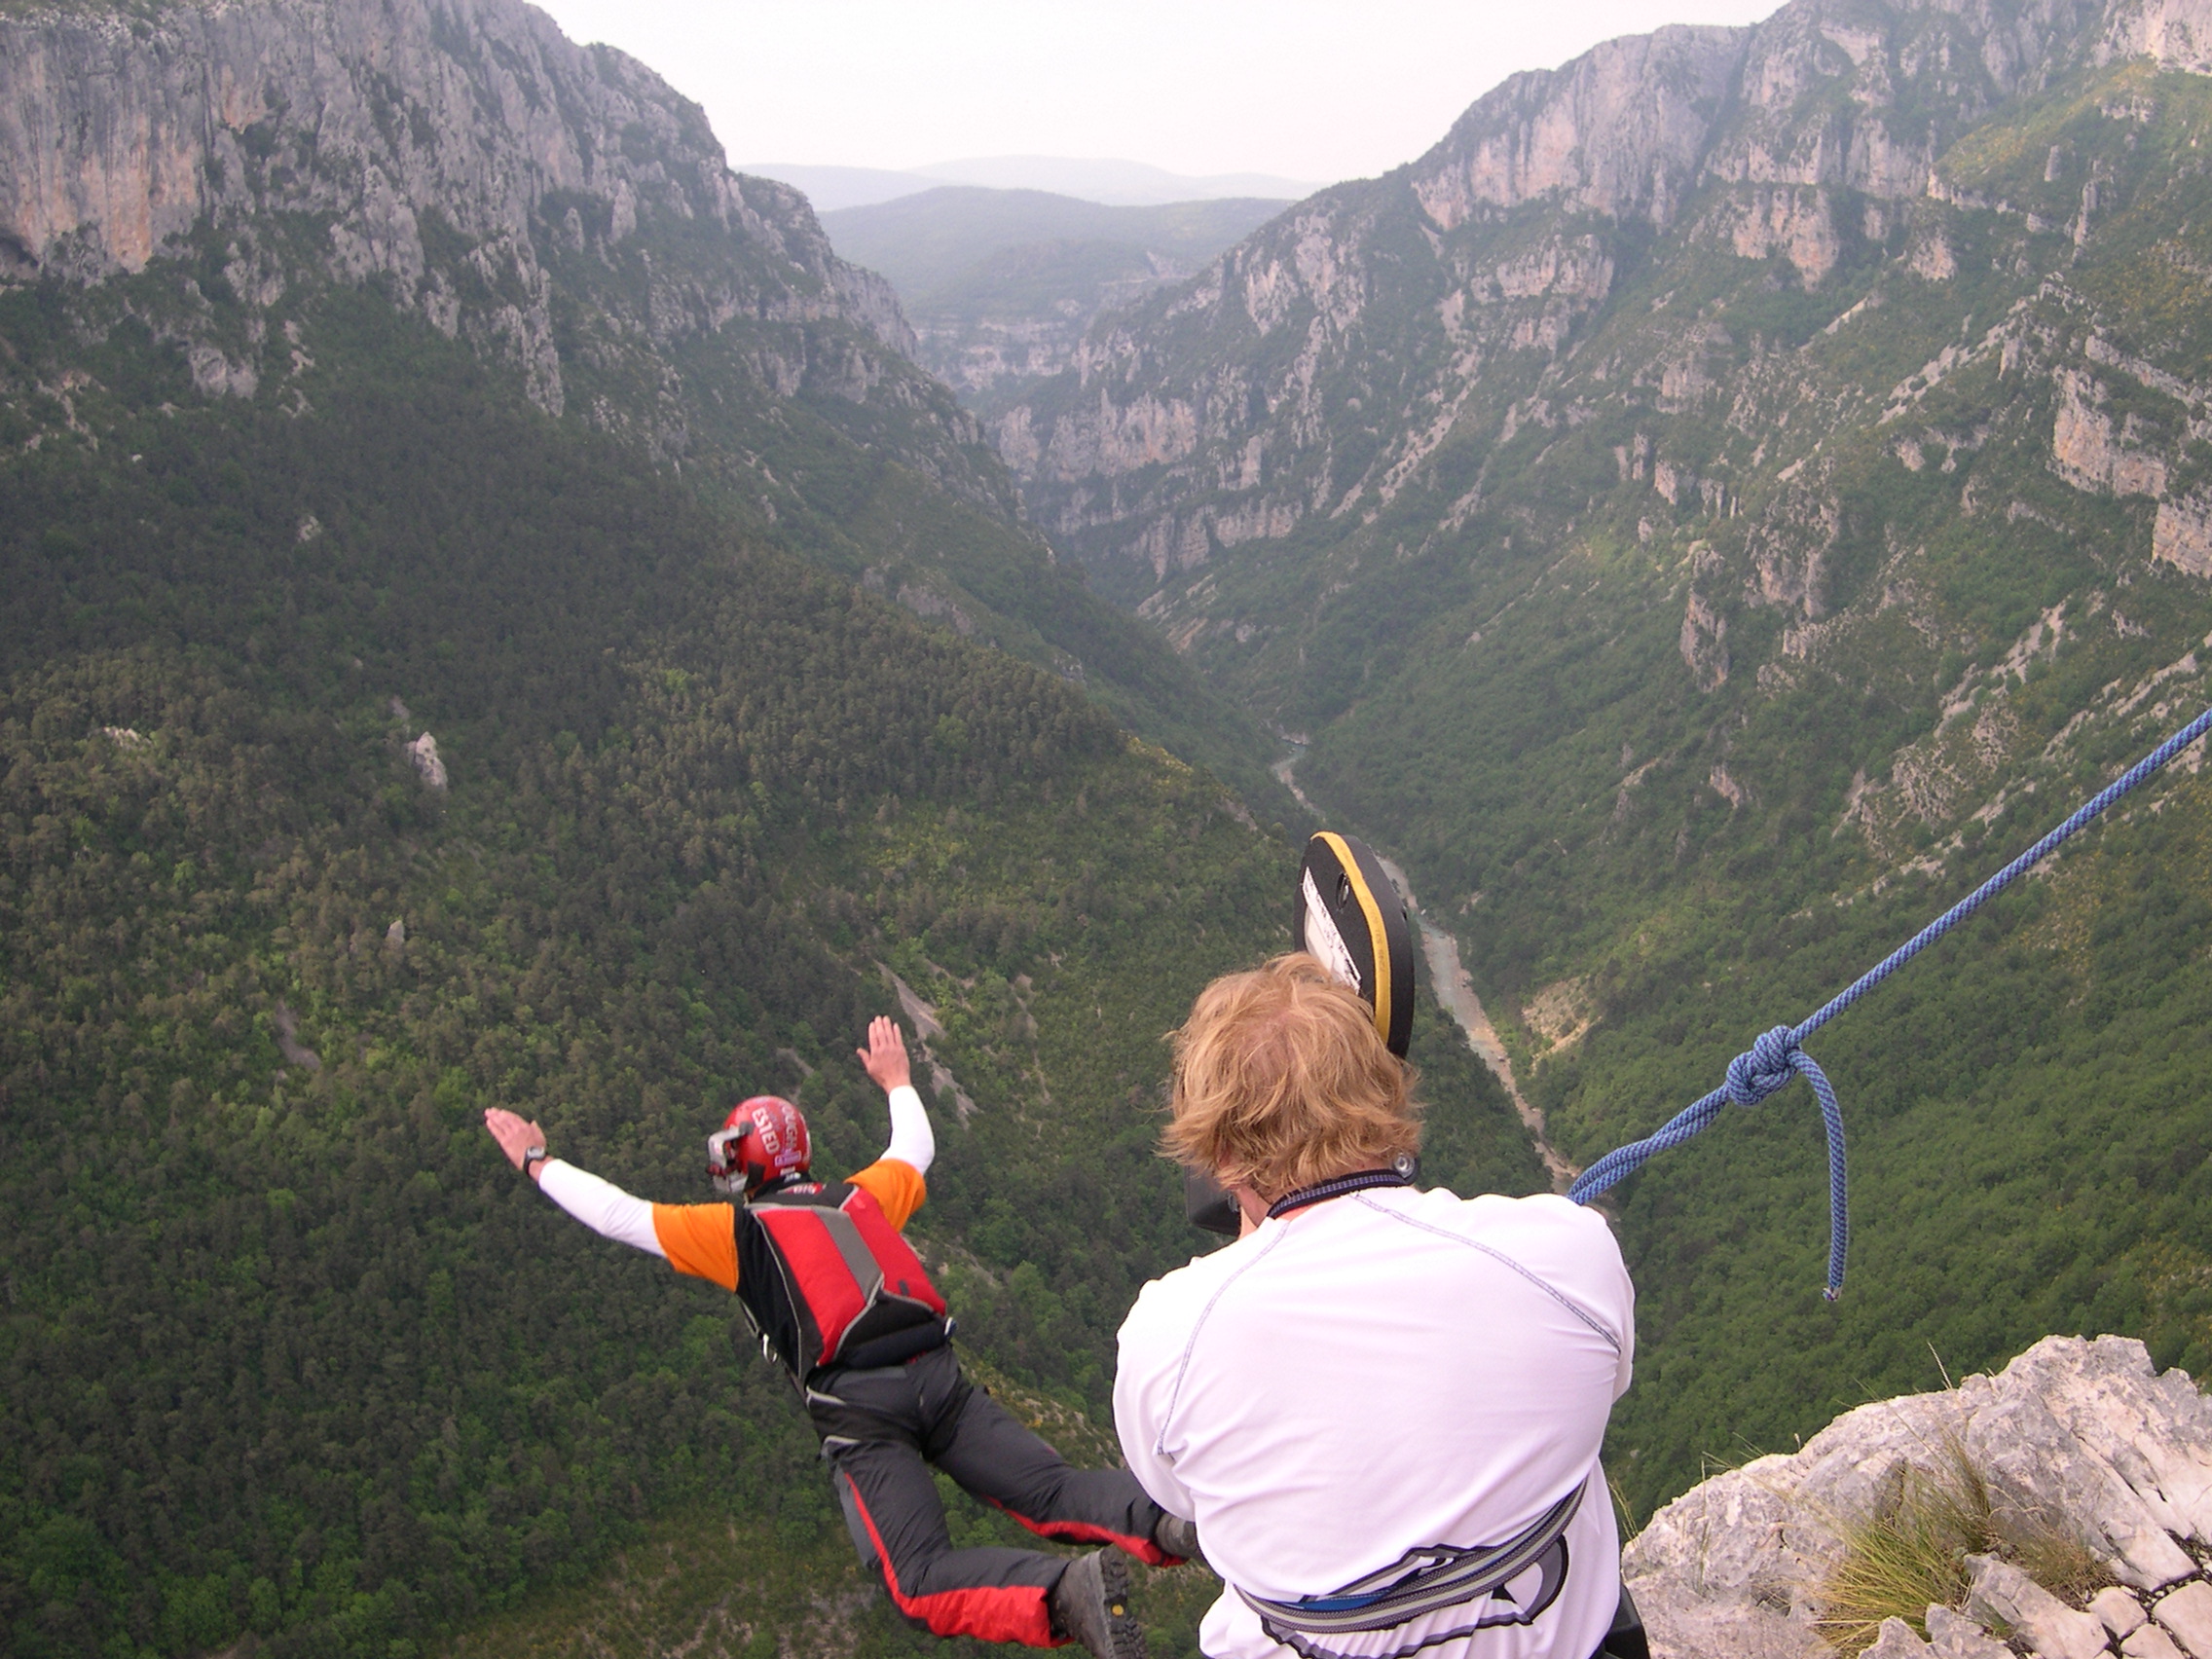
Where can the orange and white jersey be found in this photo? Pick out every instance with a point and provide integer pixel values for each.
(700, 1239)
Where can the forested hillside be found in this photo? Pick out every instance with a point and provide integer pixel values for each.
(1721, 500)
(288, 1349)
(376, 745)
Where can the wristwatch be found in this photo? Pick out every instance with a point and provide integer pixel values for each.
(536, 1155)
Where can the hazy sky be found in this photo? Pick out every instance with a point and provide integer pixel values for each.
(1317, 90)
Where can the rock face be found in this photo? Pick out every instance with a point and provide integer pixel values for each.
(2094, 452)
(422, 755)
(251, 182)
(559, 208)
(2085, 1437)
(1314, 374)
(2181, 535)
(438, 149)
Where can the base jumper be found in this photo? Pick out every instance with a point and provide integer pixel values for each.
(840, 1298)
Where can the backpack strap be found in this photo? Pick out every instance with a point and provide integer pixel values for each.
(860, 1260)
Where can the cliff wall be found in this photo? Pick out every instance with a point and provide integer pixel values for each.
(358, 122)
(229, 177)
(1310, 374)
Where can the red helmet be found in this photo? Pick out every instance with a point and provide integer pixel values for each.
(763, 1139)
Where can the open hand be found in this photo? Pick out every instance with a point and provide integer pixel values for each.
(515, 1134)
(885, 1057)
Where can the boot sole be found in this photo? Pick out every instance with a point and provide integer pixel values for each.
(1125, 1634)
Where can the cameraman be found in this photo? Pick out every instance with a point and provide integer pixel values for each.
(1382, 1407)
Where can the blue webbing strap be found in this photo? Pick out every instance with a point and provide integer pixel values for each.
(1776, 1056)
(1422, 1581)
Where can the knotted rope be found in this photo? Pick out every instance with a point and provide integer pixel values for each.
(1777, 1056)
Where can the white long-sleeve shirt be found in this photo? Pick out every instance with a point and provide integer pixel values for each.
(1379, 1371)
(607, 1210)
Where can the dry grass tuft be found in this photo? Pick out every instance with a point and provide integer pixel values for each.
(2057, 1561)
(1911, 1553)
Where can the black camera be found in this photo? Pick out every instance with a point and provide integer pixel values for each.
(1350, 916)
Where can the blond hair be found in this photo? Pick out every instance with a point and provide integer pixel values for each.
(1282, 1081)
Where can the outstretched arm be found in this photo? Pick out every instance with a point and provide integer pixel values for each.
(601, 1205)
(913, 1141)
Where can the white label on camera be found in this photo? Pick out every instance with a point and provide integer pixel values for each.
(1323, 941)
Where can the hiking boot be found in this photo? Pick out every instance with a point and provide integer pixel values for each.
(1091, 1604)
(1178, 1538)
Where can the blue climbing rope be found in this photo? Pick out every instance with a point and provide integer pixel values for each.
(1777, 1056)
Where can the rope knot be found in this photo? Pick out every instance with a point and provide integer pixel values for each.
(1771, 1063)
(1776, 1057)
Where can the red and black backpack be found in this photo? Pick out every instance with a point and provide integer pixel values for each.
(829, 1281)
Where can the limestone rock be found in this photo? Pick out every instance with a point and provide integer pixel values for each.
(2186, 1616)
(2151, 1643)
(1954, 1636)
(2178, 33)
(2085, 1437)
(2181, 535)
(2092, 451)
(1704, 643)
(2120, 1613)
(2093, 1434)
(1897, 1641)
(1616, 131)
(2000, 1593)
(1789, 547)
(1792, 221)
(424, 754)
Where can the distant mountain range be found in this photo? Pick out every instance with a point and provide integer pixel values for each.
(1112, 183)
(999, 285)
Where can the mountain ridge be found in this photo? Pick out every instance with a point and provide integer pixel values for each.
(1625, 131)
(569, 216)
(164, 155)
(1103, 180)
(1002, 284)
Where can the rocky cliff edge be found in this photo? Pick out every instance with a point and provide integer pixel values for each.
(2082, 1442)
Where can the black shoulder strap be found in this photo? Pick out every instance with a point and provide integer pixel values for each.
(1400, 1175)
